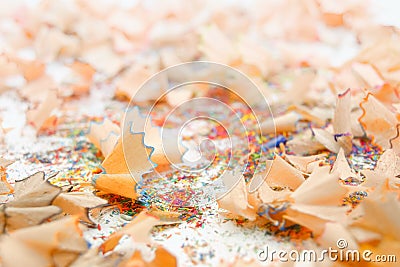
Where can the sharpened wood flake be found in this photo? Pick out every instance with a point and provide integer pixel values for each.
(34, 191)
(118, 184)
(78, 203)
(35, 246)
(132, 150)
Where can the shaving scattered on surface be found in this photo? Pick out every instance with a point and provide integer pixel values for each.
(327, 161)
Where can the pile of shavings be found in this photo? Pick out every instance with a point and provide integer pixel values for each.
(329, 72)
